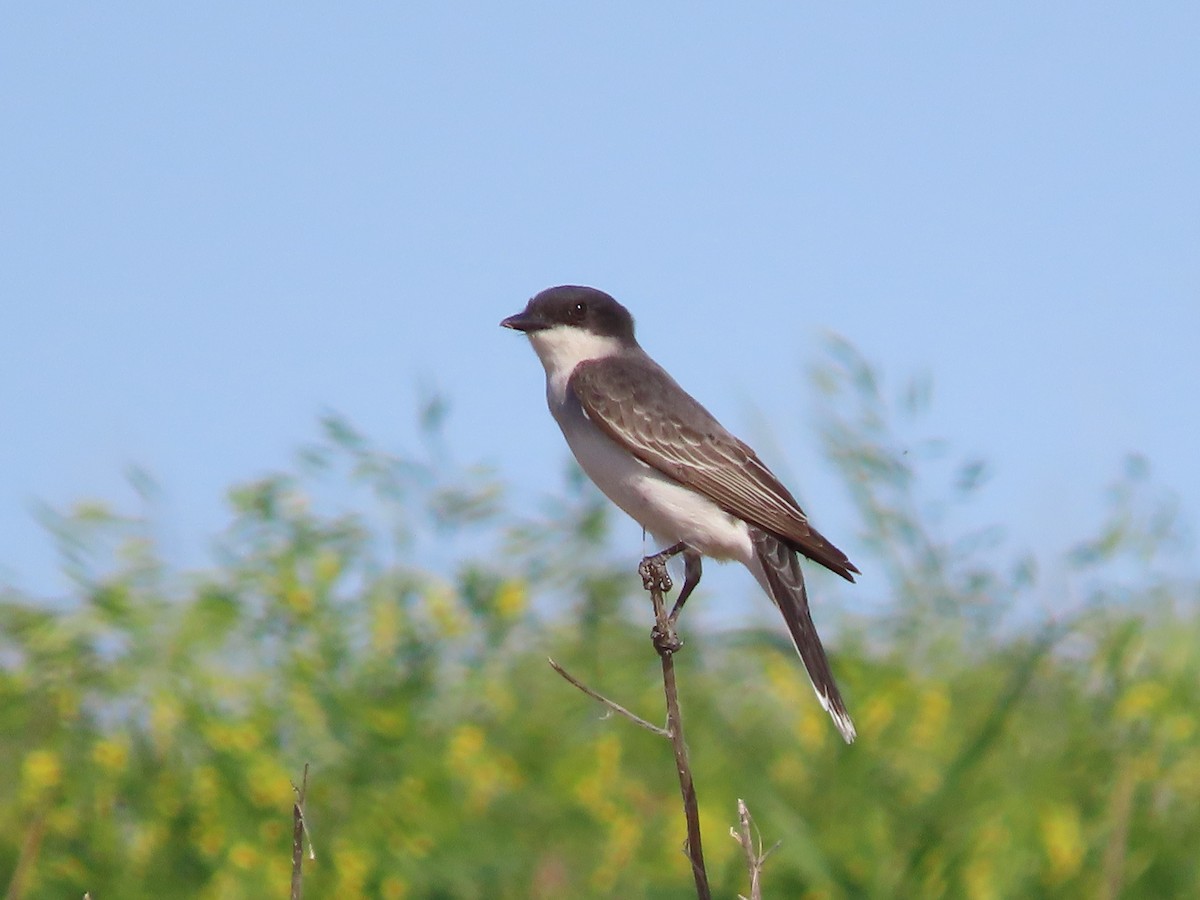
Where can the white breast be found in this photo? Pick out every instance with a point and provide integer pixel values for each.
(665, 508)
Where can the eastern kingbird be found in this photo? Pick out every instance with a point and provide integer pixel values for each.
(663, 458)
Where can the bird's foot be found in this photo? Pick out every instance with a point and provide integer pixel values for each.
(653, 570)
(665, 640)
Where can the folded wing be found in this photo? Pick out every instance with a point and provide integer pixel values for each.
(637, 404)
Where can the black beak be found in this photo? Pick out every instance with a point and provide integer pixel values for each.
(525, 321)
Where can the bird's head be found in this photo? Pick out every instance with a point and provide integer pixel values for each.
(570, 324)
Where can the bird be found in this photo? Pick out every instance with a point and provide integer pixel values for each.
(665, 460)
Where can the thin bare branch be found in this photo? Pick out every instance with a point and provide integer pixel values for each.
(615, 707)
(655, 579)
(748, 837)
(299, 834)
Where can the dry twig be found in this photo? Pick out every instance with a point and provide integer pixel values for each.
(655, 579)
(615, 707)
(745, 835)
(299, 833)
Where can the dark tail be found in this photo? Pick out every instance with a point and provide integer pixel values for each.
(785, 581)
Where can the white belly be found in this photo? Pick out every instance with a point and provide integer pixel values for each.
(665, 508)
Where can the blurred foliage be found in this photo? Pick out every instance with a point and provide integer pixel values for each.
(386, 618)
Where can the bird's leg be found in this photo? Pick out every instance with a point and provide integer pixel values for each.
(655, 579)
(691, 578)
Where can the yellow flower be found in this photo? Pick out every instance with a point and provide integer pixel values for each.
(466, 744)
(388, 722)
(512, 599)
(244, 856)
(41, 772)
(788, 683)
(932, 716)
(269, 786)
(327, 568)
(165, 717)
(443, 607)
(499, 696)
(305, 708)
(241, 736)
(271, 831)
(299, 599)
(624, 840)
(980, 878)
(1180, 727)
(147, 841)
(385, 627)
(411, 791)
(111, 754)
(812, 728)
(65, 820)
(878, 713)
(409, 845)
(352, 865)
(67, 700)
(1062, 836)
(595, 789)
(393, 888)
(206, 785)
(1141, 701)
(210, 838)
(485, 771)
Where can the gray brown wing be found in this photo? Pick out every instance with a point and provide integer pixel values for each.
(637, 404)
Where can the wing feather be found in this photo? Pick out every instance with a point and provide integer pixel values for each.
(637, 404)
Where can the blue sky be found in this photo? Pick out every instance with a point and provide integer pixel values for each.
(218, 220)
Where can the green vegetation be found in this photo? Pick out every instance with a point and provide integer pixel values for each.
(388, 619)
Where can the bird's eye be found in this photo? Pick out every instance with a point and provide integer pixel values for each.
(578, 311)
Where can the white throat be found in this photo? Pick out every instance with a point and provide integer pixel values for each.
(563, 347)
